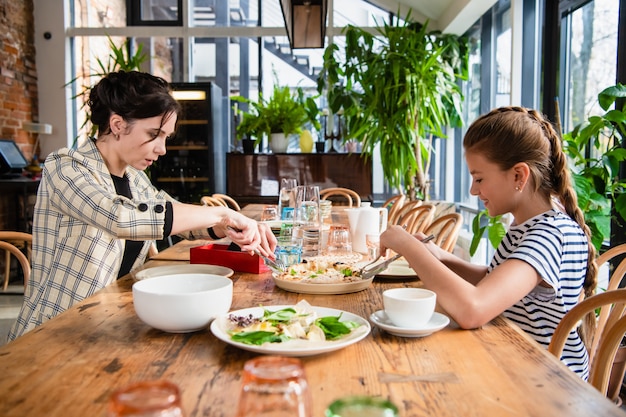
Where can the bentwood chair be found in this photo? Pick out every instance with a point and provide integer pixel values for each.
(418, 218)
(350, 196)
(9, 241)
(209, 200)
(406, 207)
(446, 229)
(610, 337)
(230, 202)
(393, 205)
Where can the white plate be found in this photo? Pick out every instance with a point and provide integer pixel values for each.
(437, 322)
(219, 327)
(158, 271)
(398, 269)
(308, 288)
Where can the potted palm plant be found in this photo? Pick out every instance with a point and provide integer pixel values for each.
(397, 90)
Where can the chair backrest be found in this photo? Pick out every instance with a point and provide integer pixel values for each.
(418, 218)
(209, 200)
(7, 240)
(406, 207)
(352, 197)
(446, 229)
(610, 336)
(230, 202)
(393, 205)
(615, 278)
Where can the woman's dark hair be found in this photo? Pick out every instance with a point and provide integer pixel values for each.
(132, 95)
(508, 135)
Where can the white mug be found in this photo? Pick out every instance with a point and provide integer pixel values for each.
(409, 307)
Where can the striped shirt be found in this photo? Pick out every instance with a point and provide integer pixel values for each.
(556, 247)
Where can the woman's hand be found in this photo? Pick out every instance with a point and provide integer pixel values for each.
(249, 234)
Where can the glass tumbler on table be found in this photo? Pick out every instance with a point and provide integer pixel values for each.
(269, 213)
(286, 195)
(307, 222)
(288, 249)
(372, 241)
(146, 399)
(339, 240)
(274, 386)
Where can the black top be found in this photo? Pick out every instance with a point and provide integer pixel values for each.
(133, 247)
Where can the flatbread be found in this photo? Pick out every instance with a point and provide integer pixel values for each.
(325, 269)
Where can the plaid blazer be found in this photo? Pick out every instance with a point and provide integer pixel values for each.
(79, 228)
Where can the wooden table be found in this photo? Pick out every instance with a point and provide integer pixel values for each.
(70, 365)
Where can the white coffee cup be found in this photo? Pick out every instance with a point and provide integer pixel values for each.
(409, 307)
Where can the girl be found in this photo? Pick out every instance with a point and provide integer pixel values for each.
(546, 258)
(97, 213)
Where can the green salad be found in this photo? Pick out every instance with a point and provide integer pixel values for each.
(298, 322)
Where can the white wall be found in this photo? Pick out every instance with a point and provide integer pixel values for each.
(51, 61)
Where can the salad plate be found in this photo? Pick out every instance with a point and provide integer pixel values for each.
(158, 271)
(221, 326)
(437, 322)
(322, 288)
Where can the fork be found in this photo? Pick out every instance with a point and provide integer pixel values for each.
(276, 266)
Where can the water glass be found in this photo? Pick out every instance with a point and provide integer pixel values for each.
(288, 249)
(287, 194)
(361, 406)
(326, 211)
(269, 213)
(146, 399)
(372, 241)
(274, 386)
(307, 222)
(339, 240)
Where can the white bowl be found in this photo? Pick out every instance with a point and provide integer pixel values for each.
(182, 303)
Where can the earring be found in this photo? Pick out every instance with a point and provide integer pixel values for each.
(518, 188)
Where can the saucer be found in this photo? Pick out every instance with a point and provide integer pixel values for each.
(437, 322)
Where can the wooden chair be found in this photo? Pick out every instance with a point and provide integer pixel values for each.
(393, 205)
(209, 200)
(9, 242)
(406, 207)
(418, 218)
(352, 197)
(446, 229)
(609, 337)
(230, 202)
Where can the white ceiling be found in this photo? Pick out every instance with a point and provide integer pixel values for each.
(448, 16)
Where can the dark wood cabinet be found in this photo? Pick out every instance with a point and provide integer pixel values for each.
(194, 164)
(256, 177)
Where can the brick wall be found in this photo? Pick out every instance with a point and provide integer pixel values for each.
(18, 75)
(18, 87)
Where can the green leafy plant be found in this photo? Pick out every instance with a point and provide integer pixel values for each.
(283, 112)
(119, 58)
(397, 89)
(595, 151)
(493, 226)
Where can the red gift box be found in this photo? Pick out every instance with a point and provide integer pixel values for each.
(215, 254)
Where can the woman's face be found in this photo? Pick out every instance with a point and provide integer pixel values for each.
(491, 184)
(144, 141)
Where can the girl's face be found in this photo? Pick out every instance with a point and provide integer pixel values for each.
(491, 184)
(144, 141)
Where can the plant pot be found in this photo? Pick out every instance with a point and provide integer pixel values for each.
(248, 145)
(320, 147)
(279, 142)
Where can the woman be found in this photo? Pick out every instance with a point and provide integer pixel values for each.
(97, 213)
(546, 258)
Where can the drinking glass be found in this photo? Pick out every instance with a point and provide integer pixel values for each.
(274, 386)
(146, 399)
(325, 211)
(307, 222)
(287, 194)
(288, 249)
(269, 213)
(339, 240)
(372, 241)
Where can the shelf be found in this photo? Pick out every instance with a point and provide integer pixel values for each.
(183, 179)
